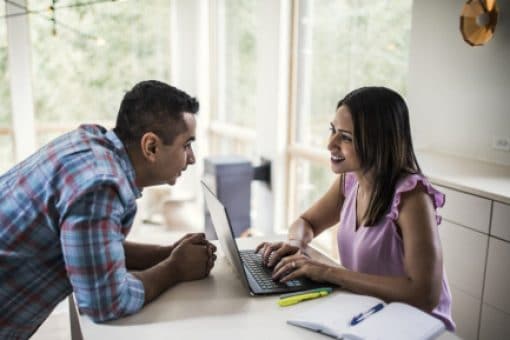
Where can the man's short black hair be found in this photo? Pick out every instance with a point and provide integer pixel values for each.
(153, 106)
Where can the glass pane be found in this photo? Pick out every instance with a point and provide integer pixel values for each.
(83, 65)
(236, 54)
(221, 145)
(343, 45)
(6, 142)
(6, 153)
(311, 182)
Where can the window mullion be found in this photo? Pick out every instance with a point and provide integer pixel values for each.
(19, 58)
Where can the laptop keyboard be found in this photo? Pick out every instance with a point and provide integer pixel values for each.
(262, 274)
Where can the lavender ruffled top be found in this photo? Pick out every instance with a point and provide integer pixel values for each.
(379, 249)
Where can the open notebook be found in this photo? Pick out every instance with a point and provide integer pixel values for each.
(396, 321)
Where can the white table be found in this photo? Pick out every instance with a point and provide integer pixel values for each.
(218, 307)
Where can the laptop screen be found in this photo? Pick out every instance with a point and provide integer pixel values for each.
(221, 224)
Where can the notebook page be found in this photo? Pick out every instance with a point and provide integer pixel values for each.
(334, 313)
(398, 321)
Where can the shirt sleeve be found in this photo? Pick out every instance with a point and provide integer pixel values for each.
(410, 183)
(92, 247)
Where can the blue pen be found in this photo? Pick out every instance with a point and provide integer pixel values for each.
(360, 317)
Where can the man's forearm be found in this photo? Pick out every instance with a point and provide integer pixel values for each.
(158, 278)
(191, 259)
(142, 256)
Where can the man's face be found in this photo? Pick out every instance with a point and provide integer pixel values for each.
(173, 159)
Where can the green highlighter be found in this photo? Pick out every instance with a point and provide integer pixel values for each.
(293, 298)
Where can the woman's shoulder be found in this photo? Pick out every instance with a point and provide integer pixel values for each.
(412, 183)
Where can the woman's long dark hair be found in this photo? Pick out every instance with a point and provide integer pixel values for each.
(382, 140)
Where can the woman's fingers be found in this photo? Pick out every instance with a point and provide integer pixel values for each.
(287, 265)
(285, 261)
(260, 246)
(272, 252)
(268, 251)
(283, 251)
(294, 274)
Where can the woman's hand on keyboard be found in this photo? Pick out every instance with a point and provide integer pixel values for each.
(272, 252)
(299, 265)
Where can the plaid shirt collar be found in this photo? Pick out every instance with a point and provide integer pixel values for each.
(126, 164)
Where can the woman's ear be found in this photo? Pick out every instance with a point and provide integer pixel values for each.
(149, 145)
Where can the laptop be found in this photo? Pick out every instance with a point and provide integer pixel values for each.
(248, 264)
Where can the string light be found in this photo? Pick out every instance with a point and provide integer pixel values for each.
(53, 19)
(52, 9)
(73, 5)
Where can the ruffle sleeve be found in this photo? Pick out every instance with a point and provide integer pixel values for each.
(409, 183)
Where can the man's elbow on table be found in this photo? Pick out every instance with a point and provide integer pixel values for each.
(102, 305)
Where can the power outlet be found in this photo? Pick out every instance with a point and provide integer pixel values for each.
(501, 143)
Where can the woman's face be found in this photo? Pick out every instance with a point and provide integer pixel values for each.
(341, 143)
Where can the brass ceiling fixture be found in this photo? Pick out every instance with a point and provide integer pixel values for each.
(478, 21)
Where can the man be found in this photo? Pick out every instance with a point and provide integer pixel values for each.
(66, 210)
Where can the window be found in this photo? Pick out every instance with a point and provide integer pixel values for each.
(340, 45)
(83, 65)
(234, 76)
(6, 143)
(343, 45)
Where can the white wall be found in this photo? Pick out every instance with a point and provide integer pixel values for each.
(459, 96)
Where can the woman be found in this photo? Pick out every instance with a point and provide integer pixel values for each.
(388, 239)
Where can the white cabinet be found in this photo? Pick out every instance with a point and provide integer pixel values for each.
(465, 313)
(464, 261)
(500, 226)
(496, 307)
(464, 253)
(497, 279)
(495, 324)
(475, 236)
(467, 210)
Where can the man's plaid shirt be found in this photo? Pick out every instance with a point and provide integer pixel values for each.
(64, 214)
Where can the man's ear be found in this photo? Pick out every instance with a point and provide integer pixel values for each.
(149, 145)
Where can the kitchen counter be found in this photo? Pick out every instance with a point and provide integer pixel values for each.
(487, 180)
